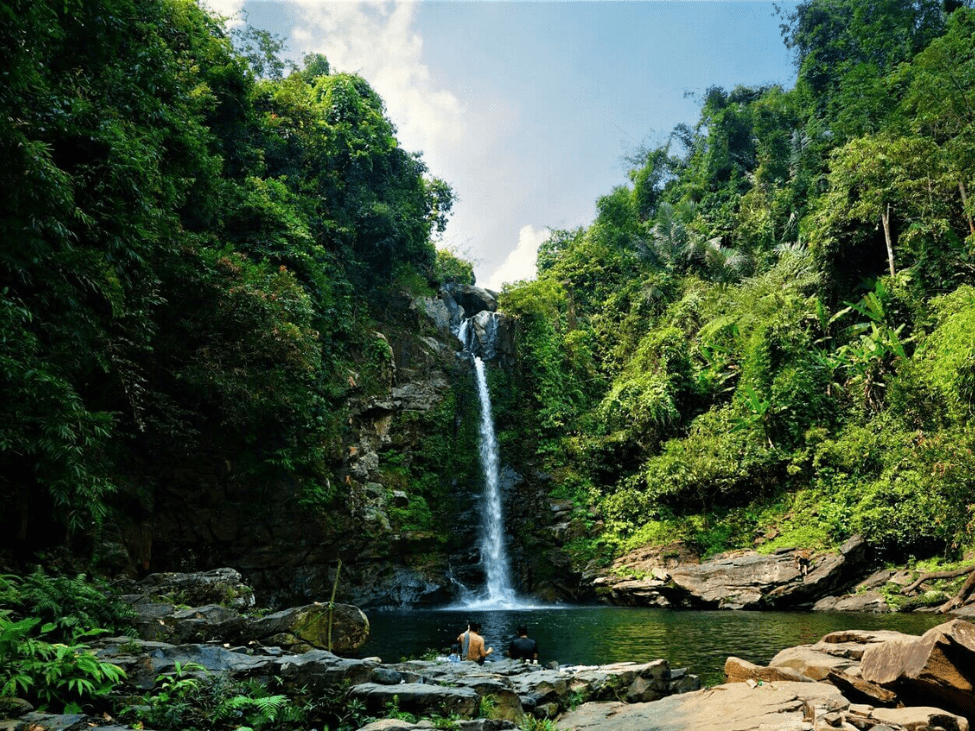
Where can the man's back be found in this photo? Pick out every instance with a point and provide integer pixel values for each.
(523, 648)
(475, 650)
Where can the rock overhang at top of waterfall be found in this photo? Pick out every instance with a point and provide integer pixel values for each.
(470, 299)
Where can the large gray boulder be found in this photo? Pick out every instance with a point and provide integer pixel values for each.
(317, 670)
(342, 628)
(223, 586)
(937, 667)
(743, 580)
(339, 628)
(469, 298)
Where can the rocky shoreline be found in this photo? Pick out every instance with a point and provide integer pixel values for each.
(853, 680)
(844, 581)
(862, 680)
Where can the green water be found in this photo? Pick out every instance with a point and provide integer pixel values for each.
(699, 641)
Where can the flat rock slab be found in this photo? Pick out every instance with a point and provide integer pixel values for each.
(920, 717)
(737, 670)
(730, 707)
(810, 661)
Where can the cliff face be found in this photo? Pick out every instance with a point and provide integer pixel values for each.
(401, 510)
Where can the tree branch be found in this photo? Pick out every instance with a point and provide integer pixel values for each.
(911, 588)
(960, 597)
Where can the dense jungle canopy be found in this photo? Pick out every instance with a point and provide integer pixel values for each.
(767, 335)
(189, 240)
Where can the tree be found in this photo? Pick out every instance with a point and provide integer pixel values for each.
(941, 100)
(875, 178)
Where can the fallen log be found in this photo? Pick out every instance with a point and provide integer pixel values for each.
(961, 597)
(911, 588)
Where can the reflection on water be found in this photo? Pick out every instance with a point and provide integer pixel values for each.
(699, 641)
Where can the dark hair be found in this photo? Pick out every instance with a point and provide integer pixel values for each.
(475, 626)
(522, 629)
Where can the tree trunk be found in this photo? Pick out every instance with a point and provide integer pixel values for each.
(964, 204)
(961, 596)
(911, 588)
(885, 218)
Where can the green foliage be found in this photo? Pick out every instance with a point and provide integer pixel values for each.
(450, 267)
(487, 706)
(190, 698)
(776, 314)
(946, 358)
(55, 676)
(198, 236)
(67, 605)
(43, 627)
(537, 724)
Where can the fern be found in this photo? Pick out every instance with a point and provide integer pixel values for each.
(257, 712)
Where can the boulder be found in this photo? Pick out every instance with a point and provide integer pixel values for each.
(318, 670)
(630, 681)
(810, 661)
(223, 586)
(298, 628)
(470, 298)
(867, 601)
(737, 670)
(474, 724)
(749, 580)
(543, 686)
(938, 666)
(736, 582)
(864, 637)
(55, 722)
(859, 690)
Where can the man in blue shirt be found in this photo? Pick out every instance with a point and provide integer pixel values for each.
(522, 647)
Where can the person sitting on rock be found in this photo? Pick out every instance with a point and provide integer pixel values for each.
(803, 561)
(472, 640)
(523, 647)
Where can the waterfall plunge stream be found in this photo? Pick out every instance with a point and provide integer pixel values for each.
(498, 592)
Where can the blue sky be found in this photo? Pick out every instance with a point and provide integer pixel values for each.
(527, 108)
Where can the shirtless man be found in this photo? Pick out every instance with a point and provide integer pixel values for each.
(474, 643)
(803, 560)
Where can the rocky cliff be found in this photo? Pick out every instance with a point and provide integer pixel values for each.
(400, 509)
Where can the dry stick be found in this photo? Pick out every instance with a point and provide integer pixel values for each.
(960, 597)
(936, 575)
(331, 604)
(885, 219)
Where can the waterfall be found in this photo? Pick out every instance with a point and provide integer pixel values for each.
(494, 557)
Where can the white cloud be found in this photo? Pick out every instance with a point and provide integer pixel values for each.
(230, 9)
(377, 40)
(520, 263)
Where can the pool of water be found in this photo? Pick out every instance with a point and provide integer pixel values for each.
(697, 640)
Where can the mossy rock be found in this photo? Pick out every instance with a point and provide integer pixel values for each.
(308, 626)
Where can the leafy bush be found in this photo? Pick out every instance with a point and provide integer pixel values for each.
(55, 676)
(190, 699)
(67, 605)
